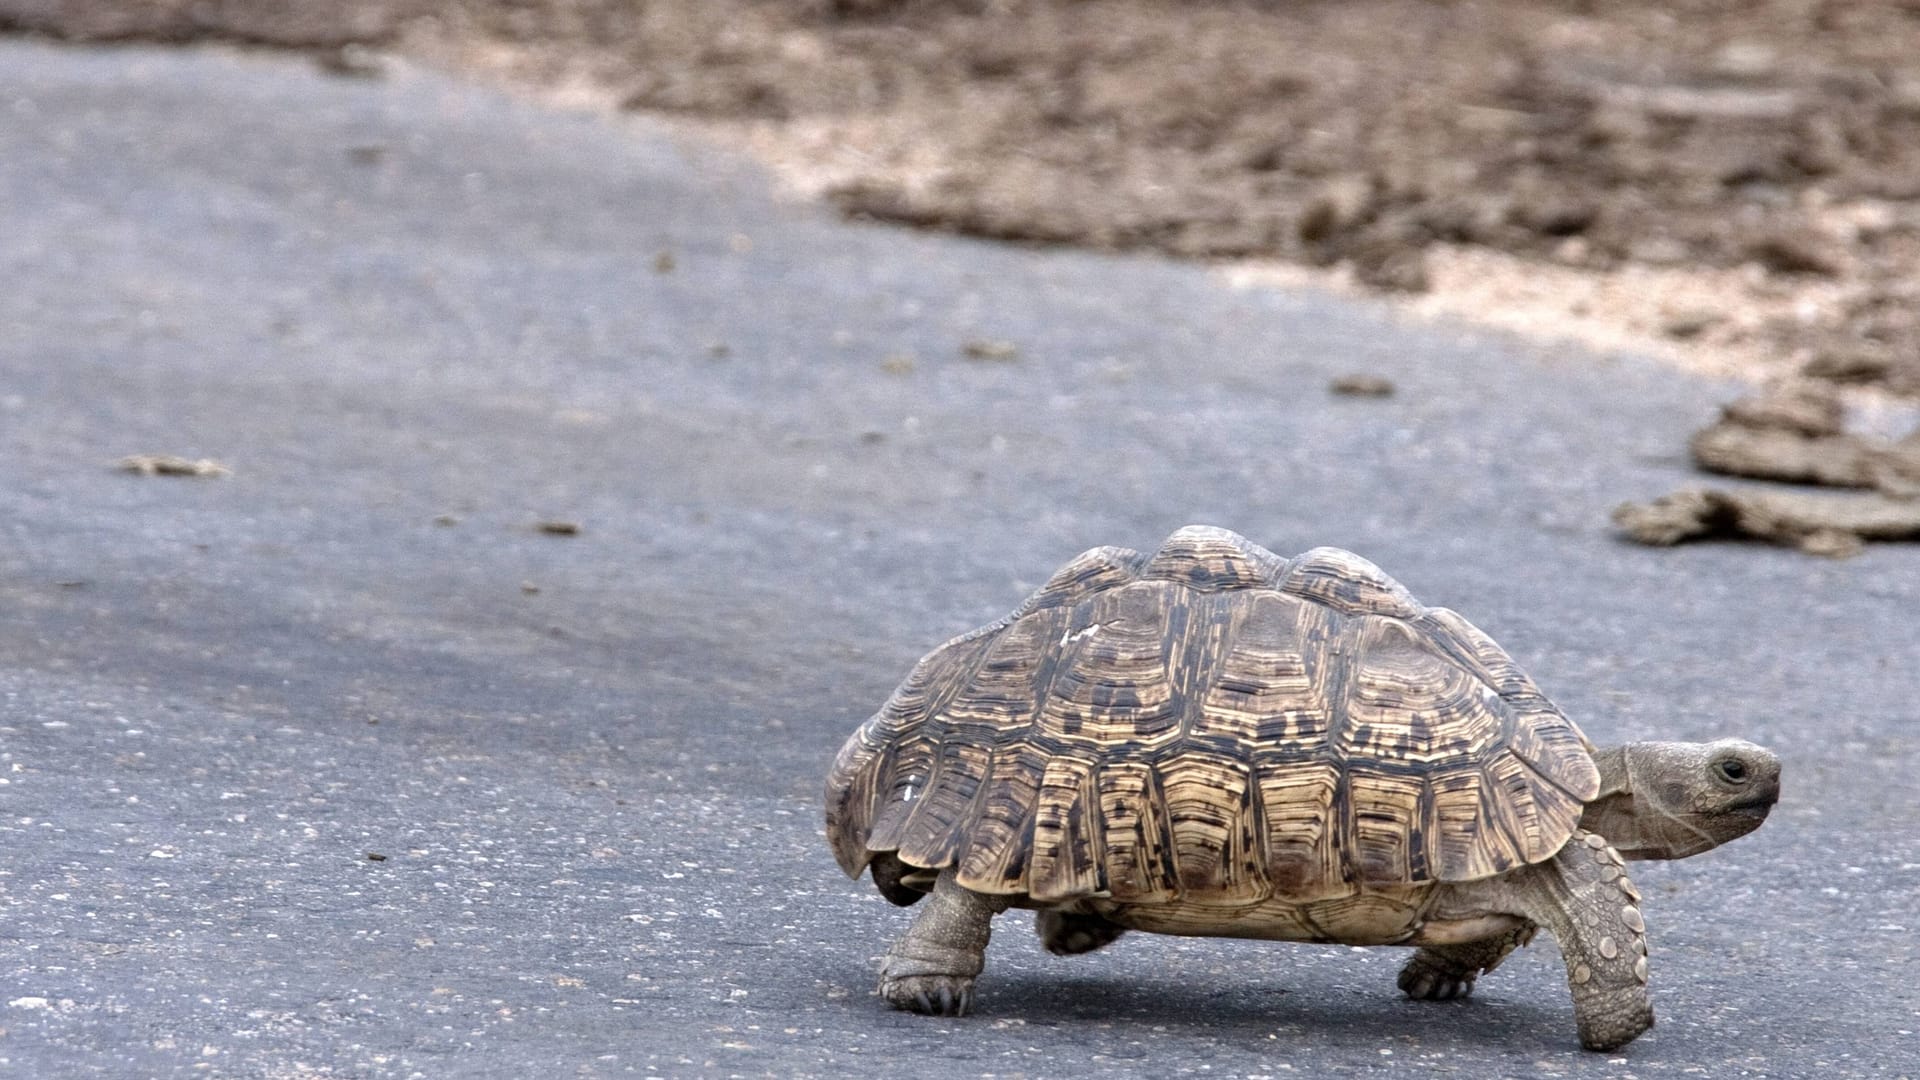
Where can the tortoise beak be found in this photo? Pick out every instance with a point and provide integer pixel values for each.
(1760, 802)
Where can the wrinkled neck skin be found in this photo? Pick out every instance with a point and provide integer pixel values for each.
(1652, 805)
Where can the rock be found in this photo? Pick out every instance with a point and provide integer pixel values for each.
(1832, 525)
(1361, 385)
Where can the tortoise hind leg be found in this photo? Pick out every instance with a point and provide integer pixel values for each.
(1444, 972)
(892, 877)
(931, 968)
(1069, 933)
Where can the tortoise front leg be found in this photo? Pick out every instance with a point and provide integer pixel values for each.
(1582, 896)
(1444, 972)
(931, 968)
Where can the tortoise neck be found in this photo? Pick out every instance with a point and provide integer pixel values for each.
(1612, 813)
(1614, 776)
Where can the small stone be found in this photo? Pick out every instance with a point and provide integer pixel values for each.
(663, 263)
(897, 364)
(374, 856)
(1361, 385)
(991, 350)
(1850, 364)
(559, 528)
(1340, 205)
(1796, 252)
(1391, 266)
(1686, 324)
(168, 465)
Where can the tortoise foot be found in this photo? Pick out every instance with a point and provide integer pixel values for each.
(1422, 984)
(1066, 934)
(929, 995)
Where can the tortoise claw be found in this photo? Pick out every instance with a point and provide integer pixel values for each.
(1421, 983)
(929, 995)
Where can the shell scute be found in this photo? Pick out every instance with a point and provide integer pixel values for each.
(1209, 559)
(1348, 584)
(1088, 573)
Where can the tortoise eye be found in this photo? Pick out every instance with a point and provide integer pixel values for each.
(1732, 770)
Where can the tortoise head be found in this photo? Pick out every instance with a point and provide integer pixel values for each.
(1668, 800)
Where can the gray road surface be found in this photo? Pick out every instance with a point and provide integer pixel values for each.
(416, 319)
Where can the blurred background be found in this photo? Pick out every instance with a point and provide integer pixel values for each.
(465, 466)
(1745, 175)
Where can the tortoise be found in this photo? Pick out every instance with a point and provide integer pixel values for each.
(1212, 740)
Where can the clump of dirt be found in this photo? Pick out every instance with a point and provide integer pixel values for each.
(1796, 433)
(169, 465)
(1833, 525)
(1360, 384)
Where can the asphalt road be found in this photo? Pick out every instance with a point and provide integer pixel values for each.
(417, 318)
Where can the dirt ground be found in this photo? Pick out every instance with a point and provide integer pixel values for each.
(1738, 179)
(1734, 184)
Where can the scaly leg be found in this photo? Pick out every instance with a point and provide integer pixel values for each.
(931, 968)
(1582, 896)
(1443, 972)
(1066, 933)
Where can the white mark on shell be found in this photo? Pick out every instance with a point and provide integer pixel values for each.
(1068, 637)
(1640, 969)
(1595, 841)
(1582, 973)
(1608, 949)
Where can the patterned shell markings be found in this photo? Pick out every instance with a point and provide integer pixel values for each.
(1215, 725)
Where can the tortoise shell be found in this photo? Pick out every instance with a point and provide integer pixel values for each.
(1212, 724)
